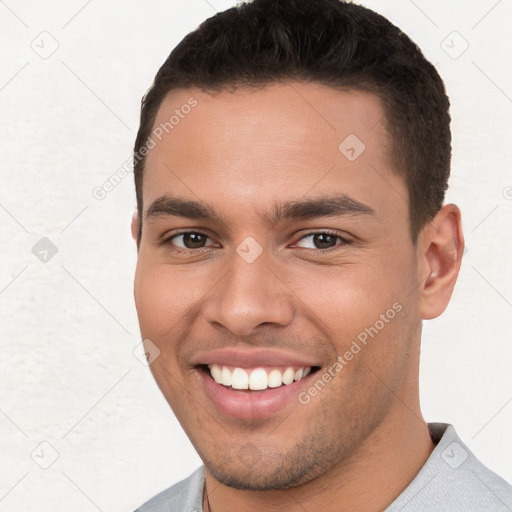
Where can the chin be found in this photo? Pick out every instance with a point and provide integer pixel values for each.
(251, 481)
(270, 475)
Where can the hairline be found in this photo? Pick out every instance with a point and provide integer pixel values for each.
(345, 84)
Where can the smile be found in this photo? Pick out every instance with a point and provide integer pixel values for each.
(252, 384)
(256, 379)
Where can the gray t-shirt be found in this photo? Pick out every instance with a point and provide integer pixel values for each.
(451, 480)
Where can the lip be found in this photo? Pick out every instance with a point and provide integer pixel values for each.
(252, 358)
(251, 405)
(247, 404)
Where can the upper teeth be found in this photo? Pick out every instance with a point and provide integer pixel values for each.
(256, 379)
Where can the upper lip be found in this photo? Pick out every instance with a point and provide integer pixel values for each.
(251, 358)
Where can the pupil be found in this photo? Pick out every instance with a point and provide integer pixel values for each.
(324, 240)
(193, 240)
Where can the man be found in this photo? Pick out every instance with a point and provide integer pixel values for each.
(291, 165)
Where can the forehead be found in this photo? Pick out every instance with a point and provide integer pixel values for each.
(283, 141)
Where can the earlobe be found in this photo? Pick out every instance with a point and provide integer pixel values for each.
(441, 245)
(135, 225)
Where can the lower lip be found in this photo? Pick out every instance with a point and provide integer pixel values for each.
(251, 405)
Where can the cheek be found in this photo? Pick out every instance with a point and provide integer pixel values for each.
(348, 299)
(163, 297)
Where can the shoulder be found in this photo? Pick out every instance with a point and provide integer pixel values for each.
(186, 495)
(453, 479)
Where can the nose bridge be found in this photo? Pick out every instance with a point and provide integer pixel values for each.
(249, 294)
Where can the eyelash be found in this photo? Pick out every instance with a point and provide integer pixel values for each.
(173, 248)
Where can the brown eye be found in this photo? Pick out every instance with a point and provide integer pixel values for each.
(324, 240)
(194, 240)
(189, 240)
(321, 240)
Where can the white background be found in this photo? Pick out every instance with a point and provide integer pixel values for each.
(69, 326)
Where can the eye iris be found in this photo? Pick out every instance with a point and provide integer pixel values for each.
(324, 240)
(193, 240)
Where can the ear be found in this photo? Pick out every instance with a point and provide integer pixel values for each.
(440, 247)
(135, 226)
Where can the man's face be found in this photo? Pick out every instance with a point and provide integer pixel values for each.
(263, 283)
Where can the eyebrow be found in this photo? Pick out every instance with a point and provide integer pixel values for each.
(339, 205)
(318, 207)
(173, 206)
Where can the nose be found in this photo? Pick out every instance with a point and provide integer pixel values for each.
(249, 295)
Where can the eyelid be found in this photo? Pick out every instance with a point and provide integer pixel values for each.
(167, 240)
(344, 239)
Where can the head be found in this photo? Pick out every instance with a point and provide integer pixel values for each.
(307, 160)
